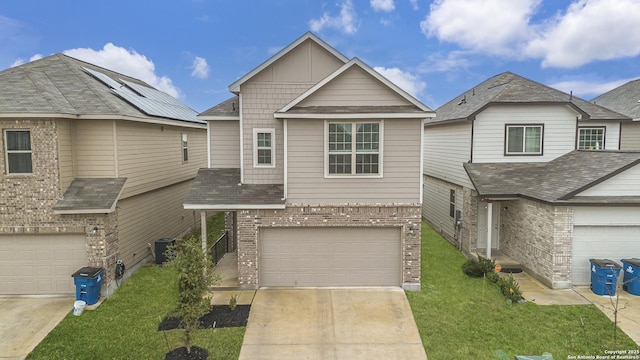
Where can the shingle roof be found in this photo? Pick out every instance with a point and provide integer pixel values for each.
(227, 109)
(624, 99)
(557, 181)
(89, 196)
(509, 88)
(221, 189)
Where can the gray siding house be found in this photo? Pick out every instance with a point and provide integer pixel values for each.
(516, 168)
(317, 162)
(625, 99)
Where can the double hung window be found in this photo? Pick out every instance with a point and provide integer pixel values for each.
(18, 151)
(523, 139)
(354, 148)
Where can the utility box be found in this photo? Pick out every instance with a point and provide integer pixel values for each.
(604, 276)
(88, 281)
(161, 247)
(631, 277)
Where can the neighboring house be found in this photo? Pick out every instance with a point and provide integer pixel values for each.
(317, 162)
(95, 166)
(625, 99)
(517, 168)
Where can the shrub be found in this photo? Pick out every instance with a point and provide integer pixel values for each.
(493, 277)
(479, 268)
(510, 288)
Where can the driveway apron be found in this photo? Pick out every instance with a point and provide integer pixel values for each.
(352, 323)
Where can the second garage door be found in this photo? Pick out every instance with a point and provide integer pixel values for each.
(330, 257)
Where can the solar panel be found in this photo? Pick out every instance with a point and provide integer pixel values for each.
(147, 99)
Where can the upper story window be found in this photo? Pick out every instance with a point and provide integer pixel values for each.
(353, 148)
(591, 138)
(185, 147)
(18, 151)
(524, 139)
(264, 148)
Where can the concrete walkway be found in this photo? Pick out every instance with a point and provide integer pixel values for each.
(354, 323)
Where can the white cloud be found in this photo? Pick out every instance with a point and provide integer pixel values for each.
(383, 5)
(128, 62)
(18, 62)
(200, 68)
(346, 22)
(491, 26)
(589, 30)
(414, 4)
(404, 80)
(589, 89)
(451, 62)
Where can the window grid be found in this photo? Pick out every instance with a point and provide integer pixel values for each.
(344, 158)
(18, 151)
(591, 138)
(263, 145)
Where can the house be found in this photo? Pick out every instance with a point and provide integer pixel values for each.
(625, 99)
(516, 168)
(316, 160)
(95, 166)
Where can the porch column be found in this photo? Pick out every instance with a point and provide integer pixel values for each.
(203, 229)
(489, 227)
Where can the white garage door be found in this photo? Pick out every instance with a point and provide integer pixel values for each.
(330, 257)
(601, 242)
(40, 264)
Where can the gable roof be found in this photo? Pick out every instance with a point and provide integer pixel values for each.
(226, 110)
(413, 109)
(61, 86)
(509, 88)
(235, 87)
(624, 99)
(557, 181)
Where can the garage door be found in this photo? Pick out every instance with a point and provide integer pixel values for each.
(601, 242)
(40, 264)
(330, 257)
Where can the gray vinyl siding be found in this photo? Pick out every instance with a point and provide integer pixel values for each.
(93, 148)
(489, 131)
(144, 218)
(435, 207)
(401, 167)
(630, 137)
(627, 183)
(150, 156)
(65, 154)
(611, 134)
(225, 144)
(446, 148)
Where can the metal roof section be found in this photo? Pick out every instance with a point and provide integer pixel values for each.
(147, 99)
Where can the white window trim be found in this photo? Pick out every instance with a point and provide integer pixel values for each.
(524, 126)
(604, 136)
(184, 138)
(354, 176)
(7, 152)
(271, 131)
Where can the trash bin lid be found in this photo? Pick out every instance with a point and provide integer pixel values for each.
(634, 261)
(603, 263)
(87, 272)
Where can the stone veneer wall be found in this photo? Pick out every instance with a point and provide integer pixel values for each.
(539, 236)
(405, 216)
(469, 232)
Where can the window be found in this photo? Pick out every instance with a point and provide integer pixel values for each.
(591, 138)
(263, 147)
(523, 139)
(18, 151)
(452, 203)
(354, 155)
(185, 148)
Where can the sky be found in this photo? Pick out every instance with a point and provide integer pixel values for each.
(433, 49)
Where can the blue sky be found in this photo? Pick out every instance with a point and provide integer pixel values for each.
(193, 49)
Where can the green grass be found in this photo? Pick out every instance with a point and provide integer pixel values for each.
(125, 325)
(467, 318)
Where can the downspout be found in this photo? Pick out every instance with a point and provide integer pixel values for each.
(489, 228)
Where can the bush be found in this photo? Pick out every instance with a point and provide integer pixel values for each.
(479, 268)
(510, 288)
(493, 277)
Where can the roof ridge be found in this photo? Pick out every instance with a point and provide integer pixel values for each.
(89, 81)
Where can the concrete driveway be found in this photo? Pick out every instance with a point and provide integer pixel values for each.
(355, 323)
(25, 321)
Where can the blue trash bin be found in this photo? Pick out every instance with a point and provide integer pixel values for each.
(604, 276)
(631, 277)
(88, 281)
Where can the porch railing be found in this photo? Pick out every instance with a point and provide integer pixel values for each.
(219, 248)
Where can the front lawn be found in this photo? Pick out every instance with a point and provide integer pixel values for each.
(125, 325)
(466, 318)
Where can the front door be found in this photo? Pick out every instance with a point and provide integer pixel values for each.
(483, 229)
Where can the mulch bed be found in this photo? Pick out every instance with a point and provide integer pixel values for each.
(182, 354)
(220, 316)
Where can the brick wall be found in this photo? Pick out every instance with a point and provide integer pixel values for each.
(406, 217)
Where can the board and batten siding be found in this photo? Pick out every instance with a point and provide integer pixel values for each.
(65, 153)
(627, 183)
(150, 155)
(611, 133)
(446, 148)
(144, 218)
(401, 167)
(435, 207)
(225, 144)
(93, 149)
(489, 131)
(630, 137)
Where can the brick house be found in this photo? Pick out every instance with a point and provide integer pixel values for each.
(516, 168)
(317, 162)
(95, 167)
